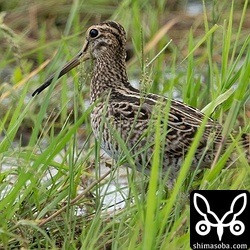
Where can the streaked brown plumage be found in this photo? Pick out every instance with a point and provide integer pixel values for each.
(132, 114)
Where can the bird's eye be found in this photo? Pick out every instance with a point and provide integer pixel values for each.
(93, 33)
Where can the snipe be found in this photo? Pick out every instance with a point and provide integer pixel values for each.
(122, 111)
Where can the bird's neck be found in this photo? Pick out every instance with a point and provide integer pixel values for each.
(109, 73)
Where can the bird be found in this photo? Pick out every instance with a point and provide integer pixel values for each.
(125, 118)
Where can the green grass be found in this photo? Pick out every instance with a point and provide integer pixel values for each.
(208, 65)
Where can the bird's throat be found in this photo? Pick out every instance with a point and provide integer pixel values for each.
(109, 72)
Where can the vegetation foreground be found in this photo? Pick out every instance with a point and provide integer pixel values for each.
(57, 189)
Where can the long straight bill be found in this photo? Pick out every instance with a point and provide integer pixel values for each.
(81, 56)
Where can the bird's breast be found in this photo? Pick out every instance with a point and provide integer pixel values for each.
(103, 129)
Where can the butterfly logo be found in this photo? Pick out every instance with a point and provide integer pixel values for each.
(210, 219)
